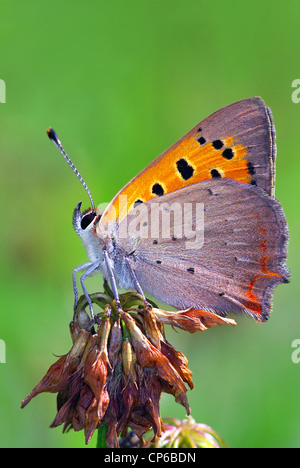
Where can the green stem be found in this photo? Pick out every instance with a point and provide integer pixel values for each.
(126, 334)
(101, 442)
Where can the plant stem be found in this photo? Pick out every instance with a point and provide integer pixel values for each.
(101, 442)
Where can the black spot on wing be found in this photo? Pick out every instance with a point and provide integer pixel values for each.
(157, 189)
(215, 173)
(137, 203)
(251, 168)
(202, 141)
(227, 153)
(186, 171)
(217, 144)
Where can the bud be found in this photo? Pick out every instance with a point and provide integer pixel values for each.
(187, 434)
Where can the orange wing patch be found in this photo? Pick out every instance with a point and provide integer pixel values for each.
(252, 302)
(190, 161)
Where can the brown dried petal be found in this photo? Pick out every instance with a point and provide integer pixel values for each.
(54, 381)
(113, 411)
(95, 415)
(74, 331)
(91, 343)
(92, 420)
(180, 397)
(85, 400)
(111, 419)
(179, 361)
(65, 414)
(66, 408)
(130, 401)
(58, 375)
(150, 357)
(191, 320)
(103, 334)
(115, 343)
(139, 423)
(150, 398)
(77, 350)
(95, 372)
(151, 328)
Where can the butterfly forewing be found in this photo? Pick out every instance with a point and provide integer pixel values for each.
(237, 142)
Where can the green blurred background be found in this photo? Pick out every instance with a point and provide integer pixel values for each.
(120, 82)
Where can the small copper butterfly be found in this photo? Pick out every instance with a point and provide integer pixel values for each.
(200, 226)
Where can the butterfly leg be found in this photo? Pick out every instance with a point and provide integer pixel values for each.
(85, 266)
(93, 267)
(137, 284)
(112, 280)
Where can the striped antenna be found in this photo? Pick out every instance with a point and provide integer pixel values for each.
(54, 138)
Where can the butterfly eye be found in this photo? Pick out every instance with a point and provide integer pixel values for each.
(87, 219)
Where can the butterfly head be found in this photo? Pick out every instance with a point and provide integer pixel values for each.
(85, 225)
(84, 222)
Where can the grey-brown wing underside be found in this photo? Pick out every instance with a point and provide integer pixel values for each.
(242, 257)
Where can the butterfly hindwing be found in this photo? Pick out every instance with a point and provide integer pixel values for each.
(235, 269)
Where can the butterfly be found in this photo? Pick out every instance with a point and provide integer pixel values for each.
(199, 227)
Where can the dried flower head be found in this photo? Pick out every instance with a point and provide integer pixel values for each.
(119, 366)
